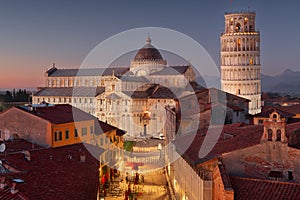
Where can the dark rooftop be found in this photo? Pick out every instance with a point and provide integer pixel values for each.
(54, 72)
(256, 189)
(172, 70)
(59, 114)
(70, 91)
(56, 173)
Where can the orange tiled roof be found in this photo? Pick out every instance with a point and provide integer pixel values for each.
(257, 189)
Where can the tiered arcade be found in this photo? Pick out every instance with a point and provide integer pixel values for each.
(240, 58)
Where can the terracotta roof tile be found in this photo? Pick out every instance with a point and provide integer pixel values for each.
(266, 112)
(59, 114)
(242, 136)
(5, 194)
(256, 189)
(56, 173)
(17, 145)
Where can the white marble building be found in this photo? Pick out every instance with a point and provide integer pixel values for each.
(133, 99)
(240, 58)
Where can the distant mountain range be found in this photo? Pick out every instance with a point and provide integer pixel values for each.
(288, 82)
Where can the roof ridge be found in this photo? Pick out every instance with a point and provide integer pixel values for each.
(264, 180)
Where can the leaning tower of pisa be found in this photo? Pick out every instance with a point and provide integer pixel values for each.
(240, 58)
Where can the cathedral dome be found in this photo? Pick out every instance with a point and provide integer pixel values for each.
(148, 52)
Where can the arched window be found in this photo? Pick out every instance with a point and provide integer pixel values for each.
(274, 116)
(270, 134)
(278, 135)
(238, 27)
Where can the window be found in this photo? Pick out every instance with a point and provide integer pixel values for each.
(0, 134)
(92, 130)
(76, 133)
(278, 135)
(260, 121)
(101, 141)
(270, 133)
(58, 136)
(83, 131)
(67, 134)
(274, 116)
(290, 175)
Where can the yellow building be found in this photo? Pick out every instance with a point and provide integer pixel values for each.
(58, 125)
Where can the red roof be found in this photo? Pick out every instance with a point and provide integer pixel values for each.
(5, 194)
(56, 173)
(291, 109)
(290, 128)
(17, 145)
(59, 114)
(242, 136)
(256, 189)
(267, 111)
(105, 127)
(233, 137)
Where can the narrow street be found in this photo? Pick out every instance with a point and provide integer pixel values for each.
(154, 187)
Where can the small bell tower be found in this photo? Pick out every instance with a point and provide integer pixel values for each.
(274, 129)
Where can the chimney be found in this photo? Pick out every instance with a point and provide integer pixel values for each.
(13, 189)
(82, 157)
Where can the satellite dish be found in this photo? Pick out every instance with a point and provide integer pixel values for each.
(2, 147)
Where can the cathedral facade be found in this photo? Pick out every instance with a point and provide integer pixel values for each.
(132, 99)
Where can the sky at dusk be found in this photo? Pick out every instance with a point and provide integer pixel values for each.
(34, 34)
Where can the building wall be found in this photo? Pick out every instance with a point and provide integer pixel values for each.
(188, 183)
(257, 161)
(70, 127)
(219, 190)
(25, 125)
